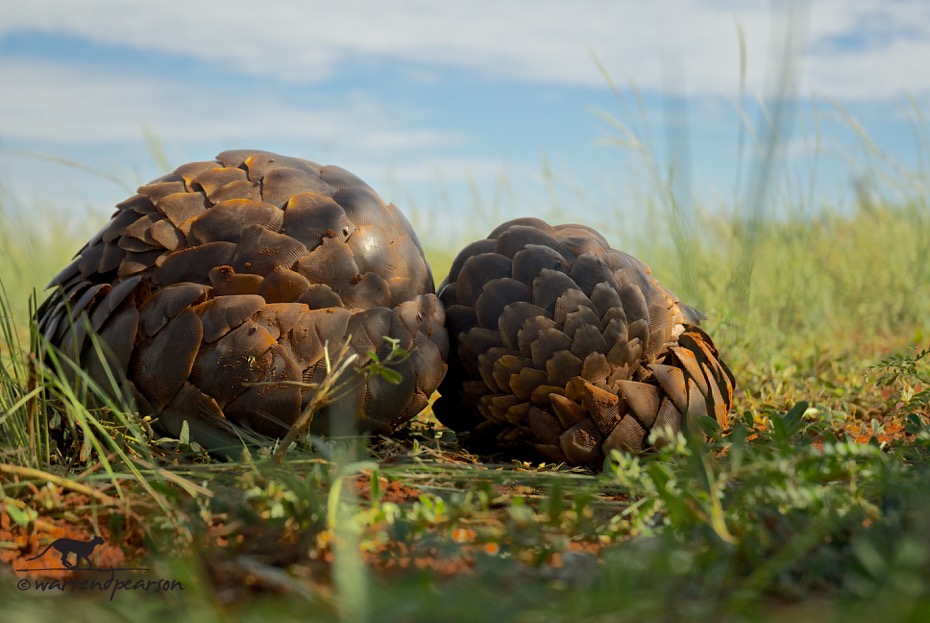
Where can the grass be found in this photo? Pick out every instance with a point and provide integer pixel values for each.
(812, 505)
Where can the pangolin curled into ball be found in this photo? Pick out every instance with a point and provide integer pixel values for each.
(563, 345)
(219, 284)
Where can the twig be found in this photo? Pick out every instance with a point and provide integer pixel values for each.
(322, 396)
(37, 474)
(188, 486)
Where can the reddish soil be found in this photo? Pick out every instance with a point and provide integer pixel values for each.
(391, 490)
(28, 542)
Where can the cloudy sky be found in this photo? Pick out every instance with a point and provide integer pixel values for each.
(432, 102)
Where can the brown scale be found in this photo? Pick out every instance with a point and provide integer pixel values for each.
(566, 347)
(215, 287)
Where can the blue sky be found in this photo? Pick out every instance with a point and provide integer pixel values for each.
(430, 101)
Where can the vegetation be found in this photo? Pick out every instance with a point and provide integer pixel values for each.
(812, 504)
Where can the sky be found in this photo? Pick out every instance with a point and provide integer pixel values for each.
(458, 109)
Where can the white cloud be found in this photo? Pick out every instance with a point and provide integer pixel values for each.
(546, 40)
(851, 50)
(52, 102)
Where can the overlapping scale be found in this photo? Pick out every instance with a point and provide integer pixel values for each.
(562, 345)
(218, 286)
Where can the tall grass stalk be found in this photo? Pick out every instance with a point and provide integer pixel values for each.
(42, 393)
(350, 576)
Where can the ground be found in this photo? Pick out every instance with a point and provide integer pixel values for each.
(811, 503)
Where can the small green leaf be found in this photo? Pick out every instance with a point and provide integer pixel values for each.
(785, 427)
(914, 424)
(391, 376)
(709, 425)
(21, 516)
(793, 420)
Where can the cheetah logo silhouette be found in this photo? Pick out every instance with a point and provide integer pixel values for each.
(81, 550)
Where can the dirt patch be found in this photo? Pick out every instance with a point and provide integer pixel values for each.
(25, 547)
(391, 491)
